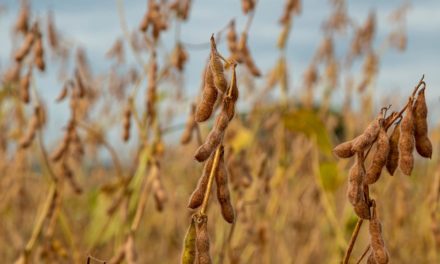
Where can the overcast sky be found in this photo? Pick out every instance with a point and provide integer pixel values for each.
(95, 25)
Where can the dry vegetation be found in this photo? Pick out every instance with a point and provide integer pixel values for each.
(296, 179)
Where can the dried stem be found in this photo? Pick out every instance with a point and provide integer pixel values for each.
(40, 221)
(250, 19)
(363, 254)
(210, 180)
(353, 240)
(141, 204)
(90, 257)
(421, 82)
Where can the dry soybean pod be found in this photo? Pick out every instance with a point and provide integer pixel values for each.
(379, 158)
(377, 243)
(247, 57)
(223, 195)
(39, 52)
(24, 86)
(406, 140)
(356, 176)
(393, 155)
(423, 144)
(26, 45)
(126, 124)
(232, 41)
(202, 240)
(344, 150)
(212, 141)
(209, 96)
(189, 244)
(233, 92)
(216, 66)
(228, 110)
(367, 138)
(196, 198)
(189, 127)
(362, 208)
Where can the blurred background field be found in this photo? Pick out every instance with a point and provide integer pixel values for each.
(340, 64)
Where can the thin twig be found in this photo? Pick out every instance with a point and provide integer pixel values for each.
(210, 180)
(142, 201)
(250, 19)
(419, 84)
(90, 257)
(363, 254)
(353, 240)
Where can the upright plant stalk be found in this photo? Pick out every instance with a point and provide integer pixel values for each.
(210, 181)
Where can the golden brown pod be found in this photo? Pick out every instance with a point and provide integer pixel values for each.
(344, 150)
(202, 240)
(216, 66)
(223, 196)
(247, 6)
(363, 141)
(126, 123)
(21, 24)
(362, 208)
(189, 244)
(160, 196)
(247, 57)
(52, 34)
(423, 144)
(196, 198)
(24, 86)
(25, 46)
(64, 91)
(215, 136)
(28, 138)
(232, 39)
(179, 57)
(379, 158)
(228, 108)
(212, 141)
(393, 155)
(233, 88)
(39, 52)
(189, 127)
(209, 96)
(67, 173)
(406, 141)
(152, 86)
(377, 243)
(355, 181)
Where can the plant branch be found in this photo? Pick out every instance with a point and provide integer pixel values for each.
(210, 180)
(353, 240)
(363, 254)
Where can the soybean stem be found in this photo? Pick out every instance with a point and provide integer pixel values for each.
(363, 254)
(353, 240)
(210, 180)
(419, 84)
